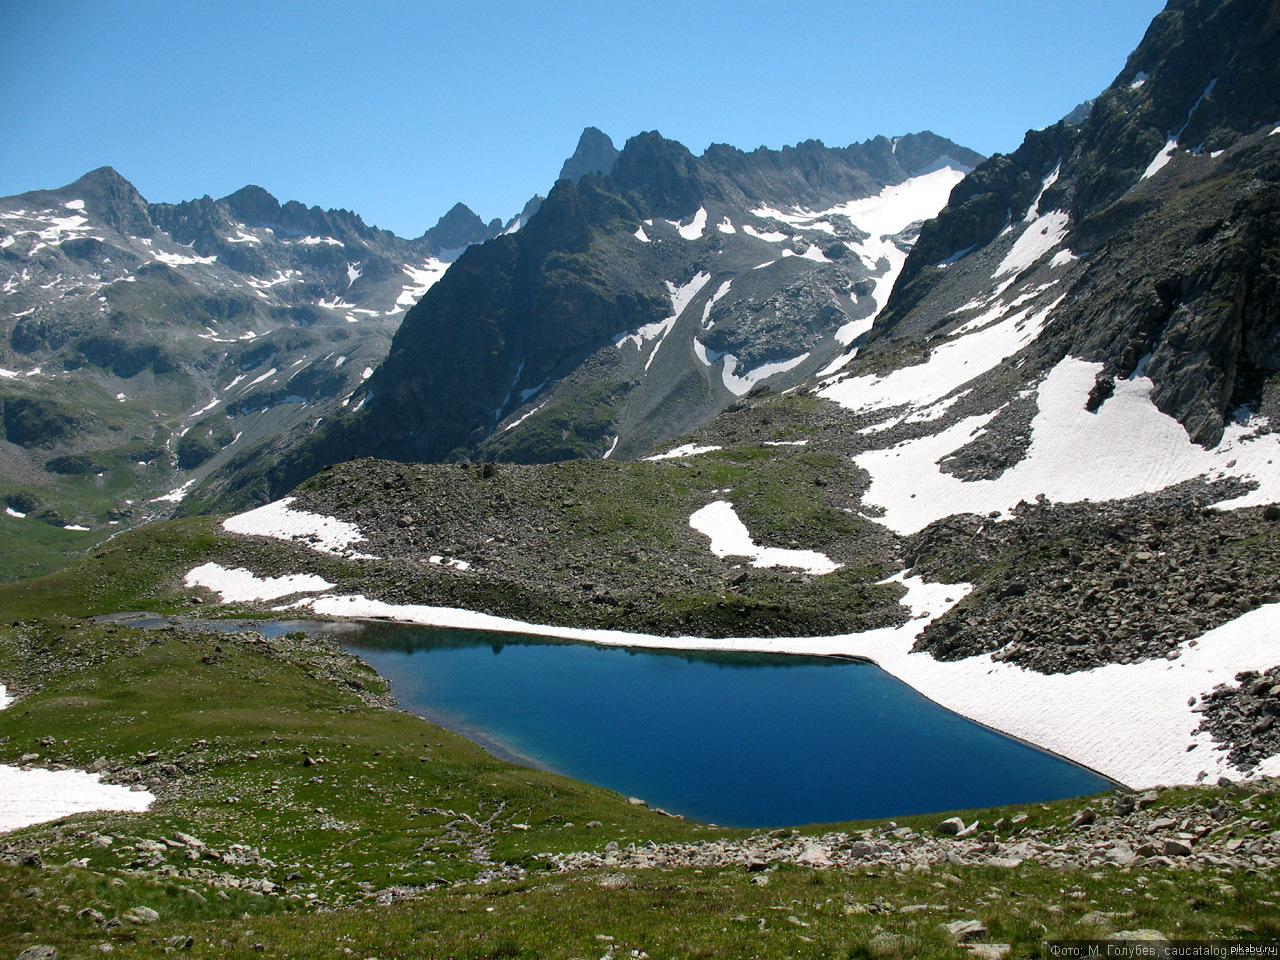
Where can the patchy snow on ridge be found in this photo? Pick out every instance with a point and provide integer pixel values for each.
(32, 796)
(279, 520)
(680, 299)
(424, 278)
(730, 538)
(1127, 447)
(883, 216)
(241, 585)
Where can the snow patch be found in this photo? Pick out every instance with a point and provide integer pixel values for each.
(279, 520)
(741, 384)
(424, 278)
(680, 299)
(181, 259)
(641, 235)
(241, 585)
(1041, 235)
(695, 227)
(730, 538)
(950, 365)
(685, 450)
(772, 236)
(28, 797)
(176, 495)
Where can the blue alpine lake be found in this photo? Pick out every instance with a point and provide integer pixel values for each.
(748, 740)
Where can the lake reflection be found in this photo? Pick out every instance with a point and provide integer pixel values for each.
(735, 739)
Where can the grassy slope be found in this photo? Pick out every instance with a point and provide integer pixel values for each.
(223, 725)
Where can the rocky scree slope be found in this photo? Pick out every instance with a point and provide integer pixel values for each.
(142, 344)
(635, 305)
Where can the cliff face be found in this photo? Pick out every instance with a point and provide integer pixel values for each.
(1158, 213)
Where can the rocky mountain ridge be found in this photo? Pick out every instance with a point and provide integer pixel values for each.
(141, 342)
(634, 306)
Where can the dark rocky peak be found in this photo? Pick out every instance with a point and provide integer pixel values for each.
(253, 206)
(1205, 73)
(1080, 112)
(459, 228)
(111, 199)
(659, 176)
(595, 154)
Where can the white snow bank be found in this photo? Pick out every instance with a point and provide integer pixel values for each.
(279, 520)
(241, 585)
(175, 495)
(730, 538)
(741, 384)
(687, 450)
(986, 341)
(34, 796)
(181, 259)
(424, 278)
(1126, 448)
(640, 234)
(1159, 161)
(694, 228)
(772, 236)
(1130, 722)
(1037, 239)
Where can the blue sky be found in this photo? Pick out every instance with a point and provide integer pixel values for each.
(397, 110)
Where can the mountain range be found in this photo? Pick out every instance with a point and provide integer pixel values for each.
(1002, 426)
(144, 343)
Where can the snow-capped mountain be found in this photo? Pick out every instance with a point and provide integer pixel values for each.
(645, 296)
(144, 343)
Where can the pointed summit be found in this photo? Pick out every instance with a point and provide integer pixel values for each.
(253, 205)
(595, 154)
(459, 228)
(113, 200)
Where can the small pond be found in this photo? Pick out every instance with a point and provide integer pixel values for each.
(747, 740)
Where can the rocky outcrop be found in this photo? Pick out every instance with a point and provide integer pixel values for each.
(1167, 190)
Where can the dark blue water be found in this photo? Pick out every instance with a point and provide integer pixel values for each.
(732, 739)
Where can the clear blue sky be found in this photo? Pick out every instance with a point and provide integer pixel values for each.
(397, 110)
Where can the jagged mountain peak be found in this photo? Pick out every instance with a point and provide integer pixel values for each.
(460, 228)
(595, 153)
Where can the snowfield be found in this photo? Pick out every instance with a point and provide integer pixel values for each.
(34, 796)
(1126, 448)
